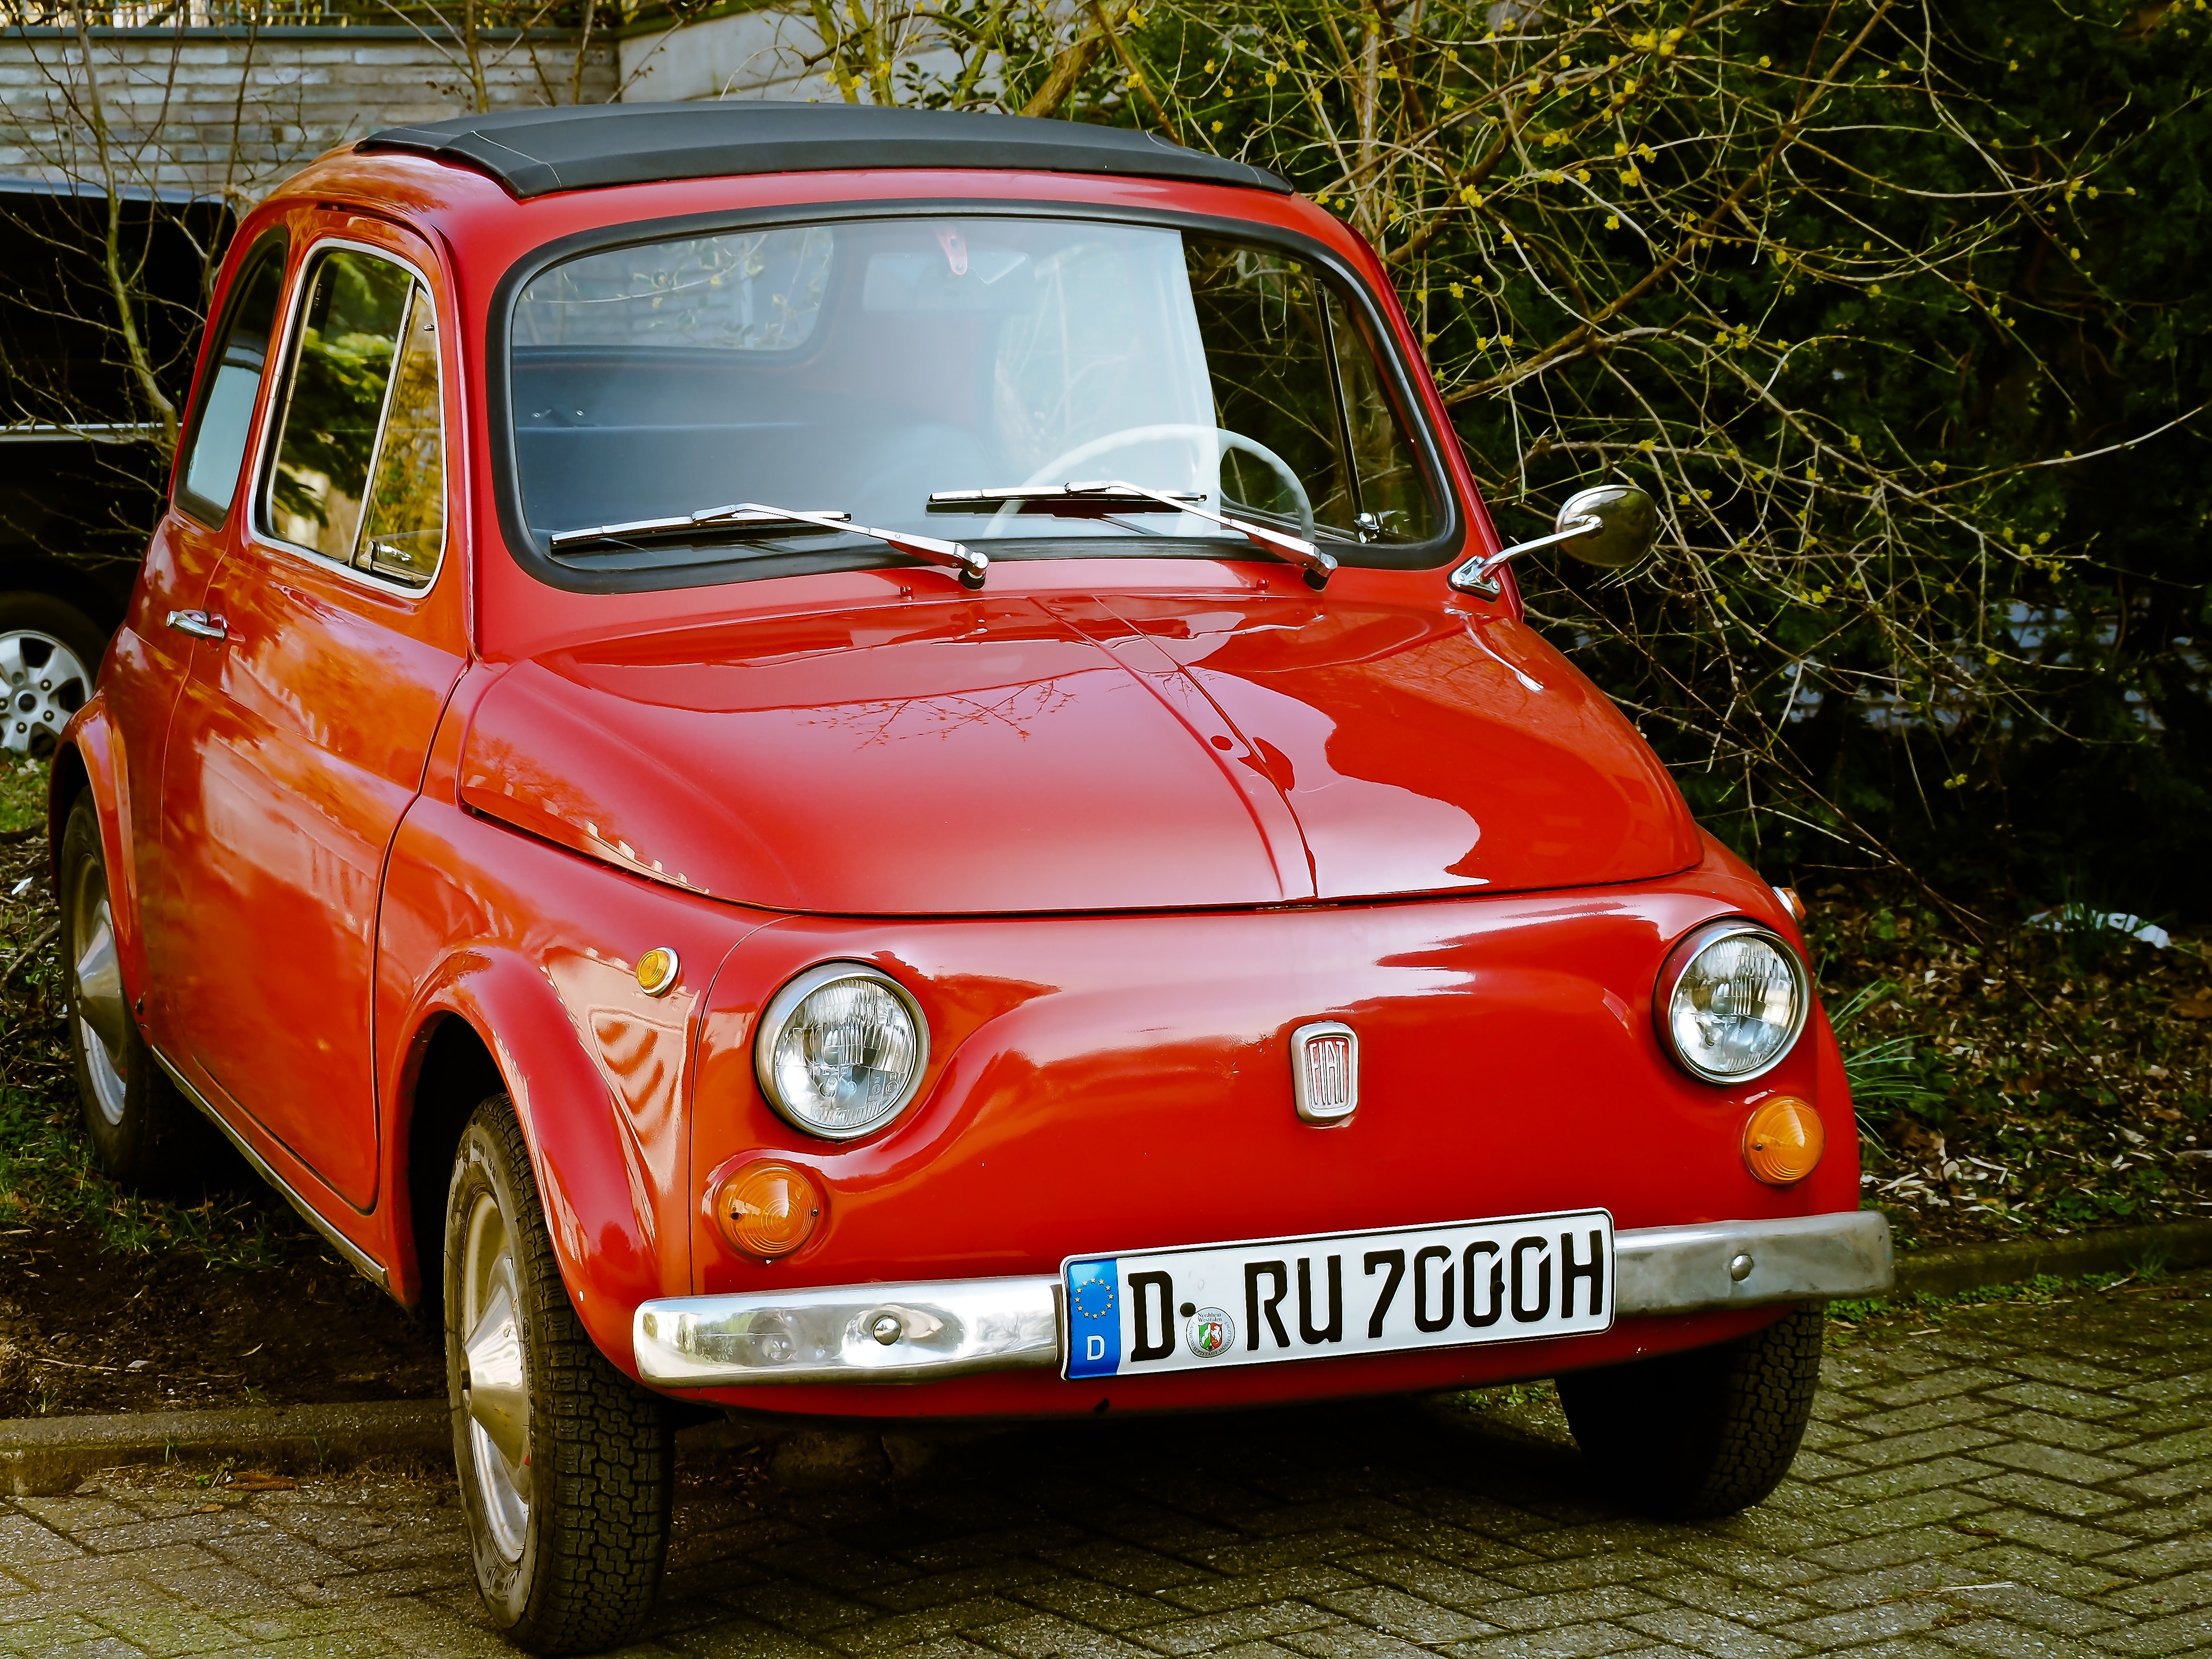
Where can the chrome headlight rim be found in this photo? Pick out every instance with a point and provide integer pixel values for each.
(1694, 945)
(786, 1003)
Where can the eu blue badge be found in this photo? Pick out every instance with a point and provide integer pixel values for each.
(1094, 1318)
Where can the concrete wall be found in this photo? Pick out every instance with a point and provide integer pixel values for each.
(216, 109)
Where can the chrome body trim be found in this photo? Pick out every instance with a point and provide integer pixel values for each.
(94, 432)
(917, 1332)
(354, 1256)
(1804, 1258)
(845, 1332)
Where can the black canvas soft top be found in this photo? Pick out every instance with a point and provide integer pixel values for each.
(536, 152)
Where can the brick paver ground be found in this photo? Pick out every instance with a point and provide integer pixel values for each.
(2013, 1481)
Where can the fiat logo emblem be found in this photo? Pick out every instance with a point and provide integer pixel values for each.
(1325, 1071)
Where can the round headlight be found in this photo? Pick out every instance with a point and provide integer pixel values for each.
(1731, 1001)
(841, 1049)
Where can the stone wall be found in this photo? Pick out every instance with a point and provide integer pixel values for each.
(237, 110)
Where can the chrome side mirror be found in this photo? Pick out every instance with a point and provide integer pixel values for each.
(1609, 525)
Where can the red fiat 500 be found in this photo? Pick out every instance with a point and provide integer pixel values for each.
(871, 764)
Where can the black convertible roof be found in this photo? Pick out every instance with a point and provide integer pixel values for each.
(537, 152)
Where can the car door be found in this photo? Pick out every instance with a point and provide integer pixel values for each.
(301, 734)
(152, 650)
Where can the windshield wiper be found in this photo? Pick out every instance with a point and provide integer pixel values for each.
(749, 518)
(1316, 566)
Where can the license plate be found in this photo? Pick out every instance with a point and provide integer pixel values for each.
(1339, 1294)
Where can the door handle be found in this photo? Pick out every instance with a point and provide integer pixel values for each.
(198, 624)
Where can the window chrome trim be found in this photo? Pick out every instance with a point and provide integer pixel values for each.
(1687, 949)
(264, 453)
(1403, 376)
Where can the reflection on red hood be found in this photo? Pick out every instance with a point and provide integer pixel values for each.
(1015, 754)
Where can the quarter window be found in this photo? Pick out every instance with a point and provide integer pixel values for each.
(218, 446)
(358, 474)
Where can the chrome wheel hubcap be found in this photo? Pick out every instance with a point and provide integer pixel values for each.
(44, 684)
(494, 1390)
(96, 993)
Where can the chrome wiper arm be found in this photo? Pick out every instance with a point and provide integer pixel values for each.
(741, 520)
(754, 517)
(1317, 566)
(1004, 496)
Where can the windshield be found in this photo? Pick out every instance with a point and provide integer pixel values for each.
(862, 367)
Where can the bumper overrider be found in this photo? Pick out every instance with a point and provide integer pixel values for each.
(918, 1333)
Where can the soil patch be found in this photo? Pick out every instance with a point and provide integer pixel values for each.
(2044, 1076)
(85, 1330)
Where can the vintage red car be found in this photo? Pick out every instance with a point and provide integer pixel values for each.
(871, 763)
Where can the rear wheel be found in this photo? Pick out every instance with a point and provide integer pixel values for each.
(1688, 1436)
(146, 1133)
(567, 1468)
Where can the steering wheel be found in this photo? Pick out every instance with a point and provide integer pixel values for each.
(1061, 468)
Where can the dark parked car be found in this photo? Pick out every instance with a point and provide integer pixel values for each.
(83, 462)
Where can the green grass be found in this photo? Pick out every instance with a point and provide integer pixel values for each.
(48, 1177)
(22, 794)
(48, 1174)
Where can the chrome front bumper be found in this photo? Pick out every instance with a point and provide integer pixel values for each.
(920, 1332)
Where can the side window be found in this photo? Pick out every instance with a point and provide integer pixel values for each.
(358, 471)
(216, 447)
(1395, 503)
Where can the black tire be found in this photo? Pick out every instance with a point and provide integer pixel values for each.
(31, 624)
(577, 1568)
(147, 1135)
(1690, 1436)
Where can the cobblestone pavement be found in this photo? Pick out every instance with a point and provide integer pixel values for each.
(2013, 1480)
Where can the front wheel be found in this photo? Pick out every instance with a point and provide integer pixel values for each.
(1689, 1436)
(567, 1468)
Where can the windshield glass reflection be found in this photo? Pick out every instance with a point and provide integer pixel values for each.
(859, 367)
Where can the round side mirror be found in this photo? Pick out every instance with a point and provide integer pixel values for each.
(1610, 525)
(1628, 525)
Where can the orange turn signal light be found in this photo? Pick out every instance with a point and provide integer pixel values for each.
(768, 1209)
(1784, 1140)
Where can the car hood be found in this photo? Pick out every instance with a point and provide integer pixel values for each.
(1012, 754)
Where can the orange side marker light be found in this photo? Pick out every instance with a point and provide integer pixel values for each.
(1783, 1141)
(768, 1209)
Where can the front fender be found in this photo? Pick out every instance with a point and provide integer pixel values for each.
(603, 1238)
(90, 758)
(534, 950)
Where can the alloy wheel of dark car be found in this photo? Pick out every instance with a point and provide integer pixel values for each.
(49, 652)
(145, 1133)
(567, 1468)
(1690, 1436)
